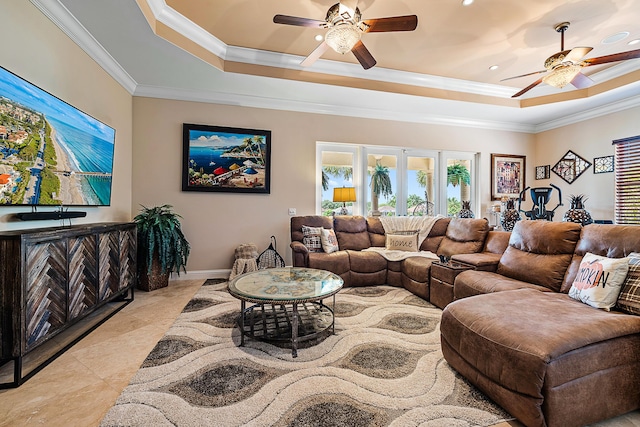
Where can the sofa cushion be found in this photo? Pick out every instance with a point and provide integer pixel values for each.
(329, 240)
(547, 359)
(539, 252)
(599, 280)
(376, 231)
(474, 282)
(337, 262)
(612, 241)
(312, 238)
(464, 236)
(629, 299)
(437, 233)
(402, 242)
(351, 232)
(367, 268)
(417, 268)
(515, 337)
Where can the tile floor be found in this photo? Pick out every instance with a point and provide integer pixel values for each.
(79, 387)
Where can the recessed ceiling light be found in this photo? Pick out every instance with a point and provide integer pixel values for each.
(319, 37)
(494, 67)
(615, 37)
(632, 42)
(467, 2)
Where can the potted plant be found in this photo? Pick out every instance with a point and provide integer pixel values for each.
(162, 248)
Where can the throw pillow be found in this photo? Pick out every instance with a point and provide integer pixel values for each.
(599, 280)
(329, 240)
(311, 238)
(402, 242)
(629, 299)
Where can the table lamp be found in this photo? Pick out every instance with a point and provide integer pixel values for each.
(344, 195)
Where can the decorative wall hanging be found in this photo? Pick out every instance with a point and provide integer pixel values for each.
(570, 167)
(225, 159)
(507, 175)
(543, 172)
(603, 164)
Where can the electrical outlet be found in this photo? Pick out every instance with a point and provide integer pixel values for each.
(292, 211)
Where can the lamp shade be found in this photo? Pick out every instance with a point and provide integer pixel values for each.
(344, 194)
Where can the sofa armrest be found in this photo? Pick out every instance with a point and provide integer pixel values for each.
(300, 254)
(484, 261)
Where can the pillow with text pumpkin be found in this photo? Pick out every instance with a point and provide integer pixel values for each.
(599, 280)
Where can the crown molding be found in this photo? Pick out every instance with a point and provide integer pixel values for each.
(383, 113)
(603, 110)
(63, 19)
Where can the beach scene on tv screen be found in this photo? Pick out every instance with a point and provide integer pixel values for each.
(51, 153)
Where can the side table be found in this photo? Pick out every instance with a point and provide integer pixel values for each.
(442, 276)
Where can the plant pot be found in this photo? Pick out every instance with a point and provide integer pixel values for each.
(156, 280)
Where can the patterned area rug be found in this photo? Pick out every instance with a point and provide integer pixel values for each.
(383, 367)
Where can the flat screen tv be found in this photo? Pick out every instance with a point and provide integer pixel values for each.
(51, 153)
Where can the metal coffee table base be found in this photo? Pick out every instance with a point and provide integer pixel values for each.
(294, 323)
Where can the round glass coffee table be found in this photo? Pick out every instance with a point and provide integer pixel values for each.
(288, 304)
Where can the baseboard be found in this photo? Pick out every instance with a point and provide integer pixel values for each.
(201, 275)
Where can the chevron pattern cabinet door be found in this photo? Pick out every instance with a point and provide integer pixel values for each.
(108, 264)
(83, 273)
(46, 295)
(128, 243)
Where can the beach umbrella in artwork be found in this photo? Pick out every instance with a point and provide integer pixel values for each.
(233, 167)
(219, 170)
(248, 163)
(250, 171)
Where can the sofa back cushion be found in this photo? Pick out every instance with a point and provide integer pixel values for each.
(464, 236)
(351, 232)
(608, 240)
(540, 252)
(376, 231)
(437, 233)
(497, 242)
(310, 221)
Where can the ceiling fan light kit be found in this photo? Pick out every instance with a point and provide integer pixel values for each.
(562, 75)
(342, 38)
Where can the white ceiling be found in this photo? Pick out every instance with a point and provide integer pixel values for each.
(449, 54)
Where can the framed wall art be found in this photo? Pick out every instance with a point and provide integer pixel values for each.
(603, 164)
(507, 175)
(226, 159)
(570, 167)
(543, 172)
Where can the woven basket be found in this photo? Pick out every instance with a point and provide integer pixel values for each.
(270, 258)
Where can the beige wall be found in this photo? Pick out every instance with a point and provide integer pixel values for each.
(39, 52)
(215, 223)
(589, 139)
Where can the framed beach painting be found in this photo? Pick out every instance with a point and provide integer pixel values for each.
(226, 159)
(507, 175)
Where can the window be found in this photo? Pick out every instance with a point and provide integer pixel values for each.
(408, 181)
(627, 174)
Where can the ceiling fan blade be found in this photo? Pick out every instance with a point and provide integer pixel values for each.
(300, 22)
(392, 23)
(315, 55)
(622, 56)
(363, 55)
(524, 75)
(577, 53)
(528, 88)
(581, 81)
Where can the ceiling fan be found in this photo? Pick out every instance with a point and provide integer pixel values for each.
(345, 28)
(565, 66)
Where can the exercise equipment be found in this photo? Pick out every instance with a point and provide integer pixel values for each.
(540, 197)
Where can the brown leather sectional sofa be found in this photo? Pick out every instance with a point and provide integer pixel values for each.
(355, 233)
(512, 330)
(546, 358)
